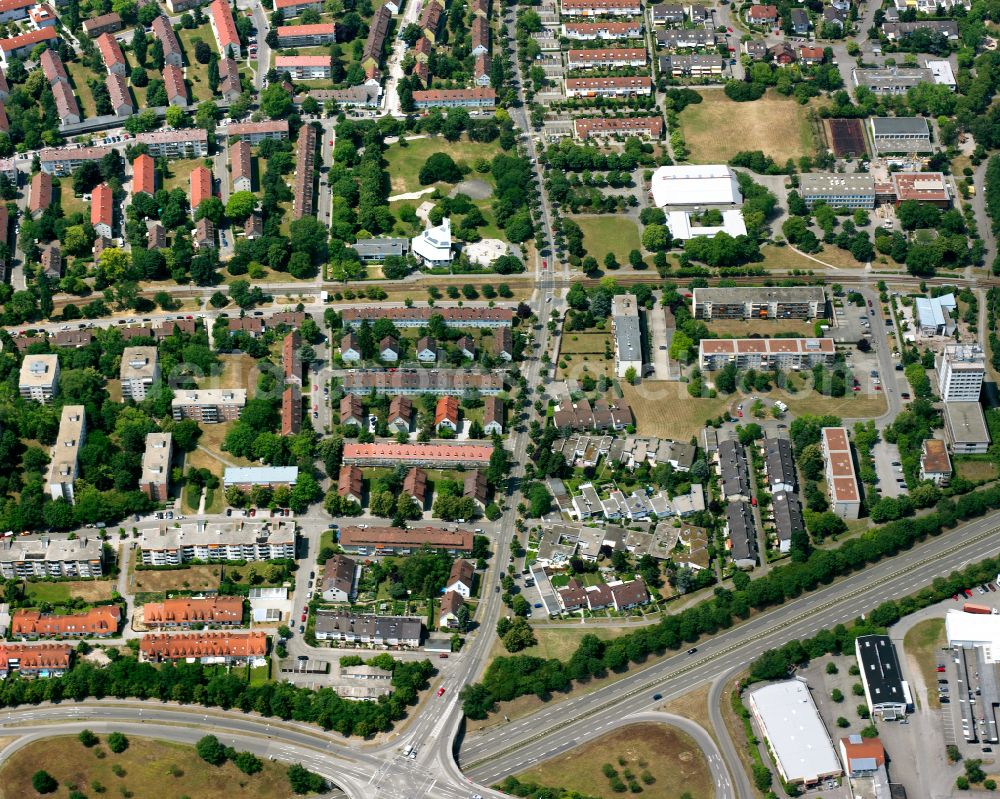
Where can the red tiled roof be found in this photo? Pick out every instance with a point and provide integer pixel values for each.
(201, 185)
(446, 410)
(763, 12)
(102, 205)
(32, 657)
(433, 537)
(306, 30)
(52, 66)
(173, 79)
(143, 174)
(185, 610)
(222, 14)
(435, 95)
(111, 51)
(102, 620)
(301, 61)
(424, 452)
(28, 39)
(350, 481)
(40, 196)
(197, 645)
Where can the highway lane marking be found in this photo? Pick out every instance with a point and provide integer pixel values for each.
(851, 595)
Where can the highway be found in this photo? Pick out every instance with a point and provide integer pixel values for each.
(510, 747)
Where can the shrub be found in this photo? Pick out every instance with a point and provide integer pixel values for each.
(43, 782)
(87, 738)
(117, 743)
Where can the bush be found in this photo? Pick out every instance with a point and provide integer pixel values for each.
(43, 782)
(842, 722)
(831, 668)
(211, 750)
(837, 695)
(248, 763)
(863, 712)
(858, 689)
(304, 781)
(117, 743)
(87, 738)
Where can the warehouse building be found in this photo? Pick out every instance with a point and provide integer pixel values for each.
(703, 185)
(788, 719)
(886, 692)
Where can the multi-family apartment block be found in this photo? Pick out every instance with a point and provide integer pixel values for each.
(155, 479)
(43, 557)
(750, 302)
(63, 467)
(217, 541)
(765, 353)
(209, 405)
(39, 379)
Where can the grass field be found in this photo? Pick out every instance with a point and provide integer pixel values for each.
(783, 258)
(666, 410)
(777, 125)
(606, 233)
(669, 756)
(922, 643)
(193, 578)
(405, 162)
(139, 92)
(590, 343)
(71, 204)
(79, 74)
(197, 74)
(180, 173)
(58, 593)
(561, 642)
(212, 437)
(767, 329)
(855, 406)
(148, 767)
(975, 469)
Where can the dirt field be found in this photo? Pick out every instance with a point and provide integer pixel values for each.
(670, 757)
(193, 578)
(150, 769)
(922, 644)
(776, 125)
(768, 329)
(846, 137)
(56, 593)
(666, 410)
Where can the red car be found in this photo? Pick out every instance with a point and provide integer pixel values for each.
(753, 501)
(441, 691)
(955, 597)
(877, 388)
(304, 616)
(940, 668)
(968, 592)
(545, 264)
(740, 414)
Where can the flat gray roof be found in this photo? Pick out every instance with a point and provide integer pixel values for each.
(966, 422)
(899, 126)
(744, 294)
(833, 184)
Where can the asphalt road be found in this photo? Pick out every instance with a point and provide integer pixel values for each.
(511, 747)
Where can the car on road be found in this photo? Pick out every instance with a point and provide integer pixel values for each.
(440, 691)
(657, 697)
(302, 628)
(904, 394)
(303, 657)
(692, 650)
(538, 604)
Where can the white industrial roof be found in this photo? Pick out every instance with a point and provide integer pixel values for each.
(680, 225)
(695, 184)
(942, 72)
(793, 727)
(935, 311)
(974, 629)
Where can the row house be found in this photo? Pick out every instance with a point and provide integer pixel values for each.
(240, 163)
(397, 541)
(617, 595)
(479, 98)
(122, 104)
(599, 416)
(371, 55)
(111, 53)
(592, 31)
(176, 88)
(99, 622)
(291, 409)
(601, 8)
(172, 53)
(105, 23)
(19, 47)
(303, 193)
(292, 8)
(35, 660)
(685, 38)
(182, 612)
(636, 85)
(414, 484)
(692, 66)
(66, 106)
(369, 631)
(438, 456)
(489, 318)
(143, 175)
(220, 15)
(102, 210)
(610, 58)
(230, 86)
(413, 381)
(350, 484)
(208, 648)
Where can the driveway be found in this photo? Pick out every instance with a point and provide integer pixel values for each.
(659, 341)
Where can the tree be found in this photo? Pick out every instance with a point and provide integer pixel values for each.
(275, 101)
(175, 116)
(247, 762)
(439, 167)
(87, 738)
(43, 782)
(656, 238)
(240, 205)
(211, 750)
(519, 635)
(304, 781)
(117, 742)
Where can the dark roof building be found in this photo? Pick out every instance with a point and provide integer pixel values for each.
(881, 676)
(734, 469)
(742, 534)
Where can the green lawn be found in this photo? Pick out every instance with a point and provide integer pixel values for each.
(609, 233)
(197, 74)
(405, 162)
(180, 173)
(78, 75)
(152, 74)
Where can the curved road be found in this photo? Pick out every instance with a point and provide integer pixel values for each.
(510, 747)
